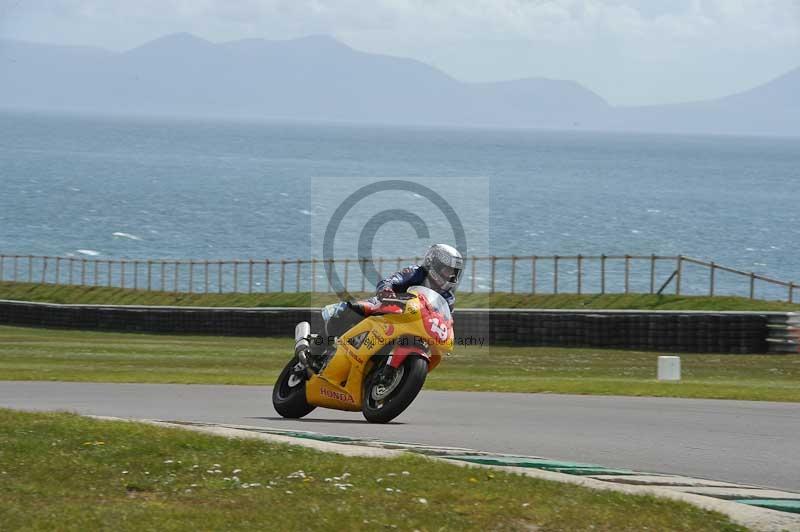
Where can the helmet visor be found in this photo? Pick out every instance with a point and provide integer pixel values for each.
(450, 274)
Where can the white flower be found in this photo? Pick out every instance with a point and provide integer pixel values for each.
(169, 461)
(405, 473)
(124, 472)
(422, 500)
(237, 471)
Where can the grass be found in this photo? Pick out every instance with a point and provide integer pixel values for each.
(65, 472)
(119, 296)
(44, 354)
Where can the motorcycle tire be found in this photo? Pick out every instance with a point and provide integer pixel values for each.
(415, 370)
(289, 399)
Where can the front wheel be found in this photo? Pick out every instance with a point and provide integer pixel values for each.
(389, 391)
(289, 392)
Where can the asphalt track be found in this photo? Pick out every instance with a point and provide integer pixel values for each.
(756, 443)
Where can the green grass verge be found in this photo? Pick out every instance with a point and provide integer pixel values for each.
(65, 472)
(118, 296)
(45, 354)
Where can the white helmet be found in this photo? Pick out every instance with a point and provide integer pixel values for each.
(444, 265)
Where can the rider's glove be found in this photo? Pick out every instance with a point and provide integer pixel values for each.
(386, 293)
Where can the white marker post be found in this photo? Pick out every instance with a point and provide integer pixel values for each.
(669, 368)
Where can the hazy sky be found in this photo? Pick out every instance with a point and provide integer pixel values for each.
(628, 51)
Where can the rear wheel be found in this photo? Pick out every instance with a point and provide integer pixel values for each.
(289, 392)
(388, 391)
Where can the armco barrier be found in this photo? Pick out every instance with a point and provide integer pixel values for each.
(667, 331)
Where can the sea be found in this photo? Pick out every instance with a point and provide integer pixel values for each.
(157, 188)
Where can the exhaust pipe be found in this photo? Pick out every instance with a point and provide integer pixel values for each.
(301, 345)
(302, 330)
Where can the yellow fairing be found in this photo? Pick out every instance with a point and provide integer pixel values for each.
(340, 384)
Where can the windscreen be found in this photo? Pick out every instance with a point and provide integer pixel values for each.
(436, 301)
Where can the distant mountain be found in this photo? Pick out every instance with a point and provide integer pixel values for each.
(769, 109)
(320, 79)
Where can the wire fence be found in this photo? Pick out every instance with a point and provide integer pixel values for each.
(531, 274)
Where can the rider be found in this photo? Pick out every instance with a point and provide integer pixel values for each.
(440, 271)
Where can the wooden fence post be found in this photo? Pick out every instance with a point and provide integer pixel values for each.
(652, 273)
(162, 275)
(191, 276)
(30, 268)
(83, 272)
(473, 266)
(235, 276)
(533, 274)
(205, 276)
(266, 276)
(3, 270)
(363, 264)
(121, 272)
(711, 279)
(580, 271)
(752, 285)
(678, 275)
(494, 269)
(791, 292)
(96, 281)
(44, 269)
(283, 275)
(250, 276)
(136, 275)
(555, 274)
(219, 277)
(108, 272)
(16, 268)
(328, 276)
(514, 259)
(627, 273)
(175, 274)
(603, 273)
(297, 275)
(313, 275)
(149, 275)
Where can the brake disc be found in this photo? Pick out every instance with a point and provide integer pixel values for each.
(381, 390)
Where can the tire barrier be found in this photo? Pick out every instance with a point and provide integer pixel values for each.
(784, 333)
(666, 331)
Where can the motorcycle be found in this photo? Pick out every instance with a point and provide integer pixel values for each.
(378, 366)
